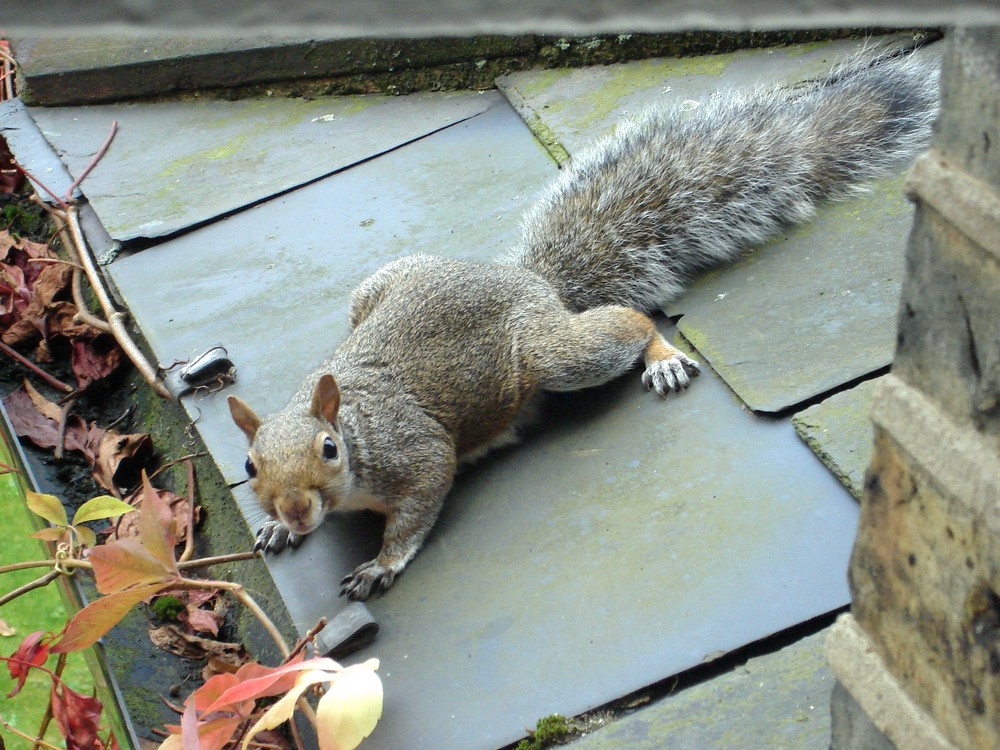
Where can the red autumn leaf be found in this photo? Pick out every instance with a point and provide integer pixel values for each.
(213, 688)
(31, 321)
(201, 620)
(257, 681)
(98, 617)
(123, 564)
(156, 526)
(93, 359)
(32, 652)
(10, 177)
(78, 718)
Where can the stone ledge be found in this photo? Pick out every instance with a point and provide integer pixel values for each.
(858, 668)
(959, 459)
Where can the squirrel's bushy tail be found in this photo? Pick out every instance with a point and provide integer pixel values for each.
(635, 216)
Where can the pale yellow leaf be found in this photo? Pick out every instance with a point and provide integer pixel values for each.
(282, 710)
(47, 506)
(103, 506)
(351, 707)
(173, 742)
(51, 534)
(86, 536)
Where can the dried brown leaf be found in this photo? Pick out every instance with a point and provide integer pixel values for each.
(179, 507)
(114, 458)
(172, 638)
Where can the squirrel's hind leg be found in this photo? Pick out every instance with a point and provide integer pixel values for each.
(590, 348)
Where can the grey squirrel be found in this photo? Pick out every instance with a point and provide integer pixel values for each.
(445, 356)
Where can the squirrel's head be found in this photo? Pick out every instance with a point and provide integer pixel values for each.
(297, 461)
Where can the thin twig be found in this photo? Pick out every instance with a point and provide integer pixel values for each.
(70, 562)
(115, 319)
(56, 260)
(93, 162)
(38, 583)
(47, 719)
(43, 186)
(174, 461)
(205, 562)
(240, 594)
(189, 541)
(306, 639)
(28, 737)
(63, 420)
(82, 311)
(21, 359)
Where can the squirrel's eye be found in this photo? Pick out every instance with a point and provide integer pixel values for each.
(329, 449)
(251, 469)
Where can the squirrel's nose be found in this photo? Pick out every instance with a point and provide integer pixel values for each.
(300, 512)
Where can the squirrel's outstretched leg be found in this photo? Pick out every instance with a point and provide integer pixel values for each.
(404, 534)
(598, 345)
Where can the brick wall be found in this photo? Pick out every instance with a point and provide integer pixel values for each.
(918, 658)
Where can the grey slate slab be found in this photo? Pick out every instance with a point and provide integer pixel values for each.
(32, 152)
(568, 108)
(839, 431)
(780, 701)
(179, 164)
(809, 311)
(631, 540)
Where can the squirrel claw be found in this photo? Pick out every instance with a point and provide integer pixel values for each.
(274, 537)
(673, 374)
(367, 579)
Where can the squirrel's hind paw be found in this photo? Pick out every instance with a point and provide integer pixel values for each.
(367, 579)
(672, 374)
(274, 536)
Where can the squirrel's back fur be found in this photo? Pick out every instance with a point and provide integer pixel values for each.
(672, 192)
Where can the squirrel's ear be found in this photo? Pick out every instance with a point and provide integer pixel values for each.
(326, 399)
(244, 417)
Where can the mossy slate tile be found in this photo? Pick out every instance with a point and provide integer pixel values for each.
(176, 165)
(568, 108)
(839, 431)
(809, 311)
(630, 540)
(778, 701)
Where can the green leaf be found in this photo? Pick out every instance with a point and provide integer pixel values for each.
(48, 507)
(98, 617)
(100, 507)
(86, 536)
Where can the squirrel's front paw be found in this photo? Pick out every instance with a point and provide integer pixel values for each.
(274, 536)
(367, 579)
(672, 374)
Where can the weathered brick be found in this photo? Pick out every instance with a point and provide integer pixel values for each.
(925, 573)
(948, 341)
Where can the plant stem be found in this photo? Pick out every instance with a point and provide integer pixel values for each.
(21, 359)
(39, 742)
(38, 583)
(115, 318)
(93, 162)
